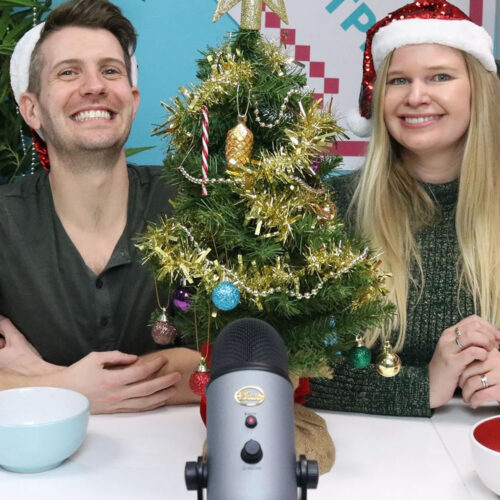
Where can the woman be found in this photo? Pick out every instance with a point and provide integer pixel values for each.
(428, 198)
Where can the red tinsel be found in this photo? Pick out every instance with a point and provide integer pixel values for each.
(41, 149)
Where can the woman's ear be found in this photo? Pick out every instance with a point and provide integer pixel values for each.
(28, 107)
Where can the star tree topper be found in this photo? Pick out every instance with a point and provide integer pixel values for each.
(251, 11)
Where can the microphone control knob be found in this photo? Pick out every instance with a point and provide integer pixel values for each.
(251, 452)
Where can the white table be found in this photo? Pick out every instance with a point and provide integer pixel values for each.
(142, 457)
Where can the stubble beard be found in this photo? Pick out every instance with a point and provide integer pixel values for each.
(85, 156)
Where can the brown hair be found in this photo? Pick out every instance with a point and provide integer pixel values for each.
(97, 14)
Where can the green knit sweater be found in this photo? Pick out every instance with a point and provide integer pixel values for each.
(428, 315)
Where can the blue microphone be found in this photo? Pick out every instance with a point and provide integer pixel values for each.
(250, 421)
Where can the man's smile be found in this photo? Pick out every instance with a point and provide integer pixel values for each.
(93, 114)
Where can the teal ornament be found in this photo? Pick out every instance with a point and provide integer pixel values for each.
(359, 356)
(226, 296)
(332, 322)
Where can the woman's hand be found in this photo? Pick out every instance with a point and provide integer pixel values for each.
(480, 381)
(469, 341)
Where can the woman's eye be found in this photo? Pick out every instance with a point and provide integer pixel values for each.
(398, 81)
(441, 77)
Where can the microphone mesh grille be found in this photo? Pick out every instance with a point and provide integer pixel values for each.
(248, 343)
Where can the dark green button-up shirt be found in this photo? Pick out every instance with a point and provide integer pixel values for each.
(49, 293)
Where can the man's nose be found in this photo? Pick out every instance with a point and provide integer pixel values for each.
(93, 82)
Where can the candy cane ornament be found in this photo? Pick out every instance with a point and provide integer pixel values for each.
(204, 150)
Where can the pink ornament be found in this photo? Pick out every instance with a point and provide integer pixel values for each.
(163, 332)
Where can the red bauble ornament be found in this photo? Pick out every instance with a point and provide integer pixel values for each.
(163, 332)
(199, 378)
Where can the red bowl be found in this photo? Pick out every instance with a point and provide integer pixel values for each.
(485, 446)
(487, 433)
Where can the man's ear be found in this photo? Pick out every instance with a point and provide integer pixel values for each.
(137, 98)
(28, 107)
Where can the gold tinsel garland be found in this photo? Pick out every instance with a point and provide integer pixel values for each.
(178, 256)
(228, 70)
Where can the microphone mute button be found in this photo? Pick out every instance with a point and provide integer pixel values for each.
(251, 421)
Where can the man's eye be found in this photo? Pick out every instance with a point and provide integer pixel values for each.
(67, 72)
(111, 71)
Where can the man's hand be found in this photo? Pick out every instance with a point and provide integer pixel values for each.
(113, 381)
(118, 382)
(17, 355)
(477, 338)
(184, 361)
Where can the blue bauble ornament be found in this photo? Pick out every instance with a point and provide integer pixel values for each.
(226, 296)
(331, 339)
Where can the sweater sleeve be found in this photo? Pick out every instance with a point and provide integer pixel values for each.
(365, 391)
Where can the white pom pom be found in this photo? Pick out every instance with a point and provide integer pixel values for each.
(358, 124)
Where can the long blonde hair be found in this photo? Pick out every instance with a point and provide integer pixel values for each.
(390, 205)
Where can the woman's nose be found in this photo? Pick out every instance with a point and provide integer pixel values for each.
(418, 93)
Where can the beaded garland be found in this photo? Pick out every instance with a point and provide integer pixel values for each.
(347, 266)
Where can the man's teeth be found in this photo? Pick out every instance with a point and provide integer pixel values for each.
(420, 119)
(93, 114)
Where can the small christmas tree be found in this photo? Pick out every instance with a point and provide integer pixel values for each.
(255, 232)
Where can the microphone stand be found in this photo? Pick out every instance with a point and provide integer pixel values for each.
(196, 476)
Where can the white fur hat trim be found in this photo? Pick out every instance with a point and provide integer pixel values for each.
(21, 59)
(358, 124)
(461, 34)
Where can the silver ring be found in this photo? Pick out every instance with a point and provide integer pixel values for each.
(484, 381)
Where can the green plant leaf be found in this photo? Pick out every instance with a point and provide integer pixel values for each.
(19, 3)
(133, 151)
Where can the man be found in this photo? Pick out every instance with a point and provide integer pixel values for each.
(71, 279)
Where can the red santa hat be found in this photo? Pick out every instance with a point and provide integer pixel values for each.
(425, 21)
(19, 79)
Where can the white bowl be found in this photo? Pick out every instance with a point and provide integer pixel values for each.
(485, 444)
(40, 427)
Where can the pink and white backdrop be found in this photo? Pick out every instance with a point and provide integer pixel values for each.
(328, 38)
(325, 35)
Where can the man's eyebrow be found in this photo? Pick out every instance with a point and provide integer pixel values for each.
(76, 61)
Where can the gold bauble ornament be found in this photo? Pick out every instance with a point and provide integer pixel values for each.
(239, 143)
(388, 362)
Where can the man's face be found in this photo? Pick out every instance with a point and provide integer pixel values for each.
(86, 102)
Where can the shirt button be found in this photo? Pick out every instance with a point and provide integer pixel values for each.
(99, 283)
(104, 321)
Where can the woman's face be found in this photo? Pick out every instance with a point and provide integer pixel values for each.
(427, 100)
